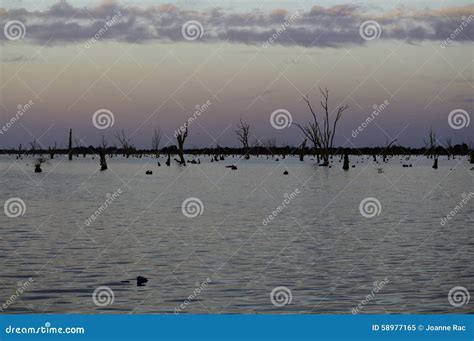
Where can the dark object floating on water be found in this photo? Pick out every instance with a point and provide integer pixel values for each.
(148, 172)
(233, 167)
(124, 281)
(410, 165)
(141, 281)
(159, 164)
(353, 166)
(38, 169)
(285, 173)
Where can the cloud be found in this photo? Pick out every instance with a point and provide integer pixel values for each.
(317, 26)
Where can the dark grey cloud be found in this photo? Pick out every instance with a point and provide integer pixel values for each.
(335, 26)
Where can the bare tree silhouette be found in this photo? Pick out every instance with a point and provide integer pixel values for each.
(70, 145)
(181, 137)
(155, 142)
(124, 142)
(322, 134)
(242, 131)
(102, 160)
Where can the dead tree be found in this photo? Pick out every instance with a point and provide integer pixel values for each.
(70, 144)
(430, 143)
(432, 147)
(345, 166)
(243, 130)
(387, 147)
(181, 137)
(52, 151)
(322, 134)
(302, 148)
(155, 142)
(124, 142)
(102, 150)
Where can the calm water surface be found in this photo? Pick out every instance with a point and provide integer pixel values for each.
(319, 246)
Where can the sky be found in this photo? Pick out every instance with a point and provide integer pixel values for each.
(137, 65)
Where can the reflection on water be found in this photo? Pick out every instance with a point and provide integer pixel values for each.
(318, 244)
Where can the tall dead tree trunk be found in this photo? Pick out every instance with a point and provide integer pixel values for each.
(102, 160)
(70, 144)
(302, 149)
(181, 137)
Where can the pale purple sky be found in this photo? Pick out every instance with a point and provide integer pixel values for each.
(148, 75)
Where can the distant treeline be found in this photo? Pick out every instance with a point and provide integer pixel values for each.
(458, 149)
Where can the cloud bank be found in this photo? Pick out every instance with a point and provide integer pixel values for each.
(317, 26)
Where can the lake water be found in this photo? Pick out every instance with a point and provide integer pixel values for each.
(227, 260)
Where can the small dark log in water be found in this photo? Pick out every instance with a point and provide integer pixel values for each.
(285, 173)
(141, 281)
(149, 172)
(346, 162)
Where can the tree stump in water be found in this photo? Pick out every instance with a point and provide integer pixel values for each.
(346, 162)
